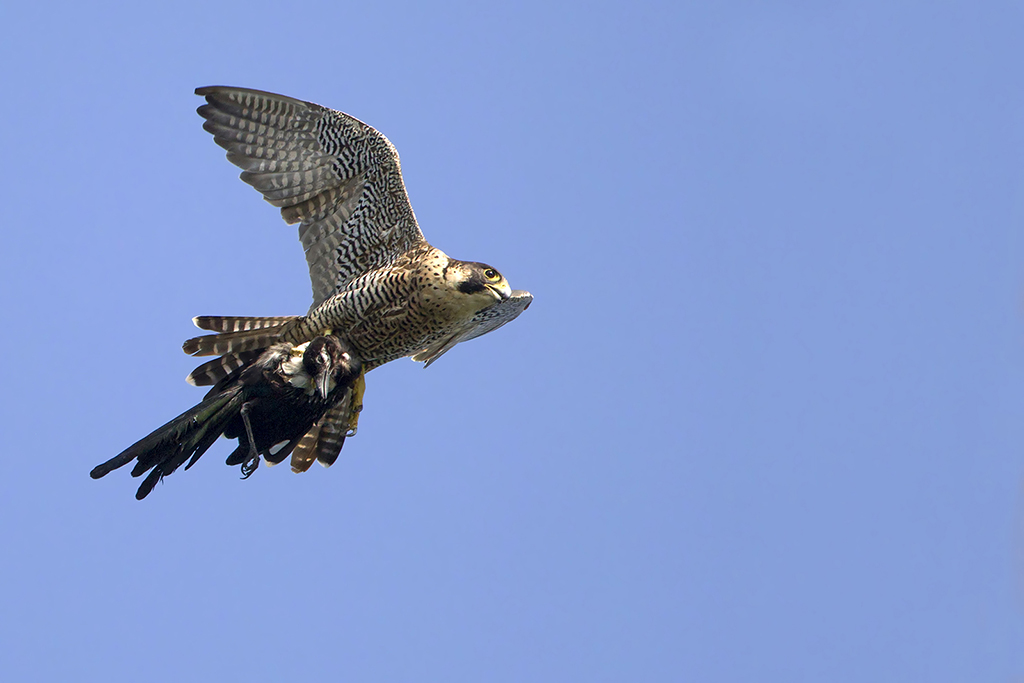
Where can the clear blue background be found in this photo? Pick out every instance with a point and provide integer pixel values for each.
(762, 422)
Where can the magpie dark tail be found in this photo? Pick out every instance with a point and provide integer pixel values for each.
(186, 437)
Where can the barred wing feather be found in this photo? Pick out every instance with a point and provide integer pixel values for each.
(336, 176)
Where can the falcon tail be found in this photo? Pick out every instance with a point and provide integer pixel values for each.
(187, 436)
(217, 372)
(236, 334)
(227, 323)
(323, 442)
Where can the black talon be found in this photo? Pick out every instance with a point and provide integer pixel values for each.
(247, 470)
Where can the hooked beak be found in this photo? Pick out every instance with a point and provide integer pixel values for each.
(500, 290)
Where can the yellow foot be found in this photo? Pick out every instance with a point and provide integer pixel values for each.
(358, 387)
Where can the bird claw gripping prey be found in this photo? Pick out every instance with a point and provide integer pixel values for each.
(379, 288)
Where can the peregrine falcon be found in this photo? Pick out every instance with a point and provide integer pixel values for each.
(376, 281)
(268, 404)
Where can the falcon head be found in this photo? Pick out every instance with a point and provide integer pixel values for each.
(478, 280)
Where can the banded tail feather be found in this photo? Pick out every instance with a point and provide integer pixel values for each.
(333, 433)
(262, 333)
(213, 372)
(324, 441)
(227, 323)
(268, 404)
(305, 452)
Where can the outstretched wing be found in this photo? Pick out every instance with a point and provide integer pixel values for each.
(487, 320)
(334, 175)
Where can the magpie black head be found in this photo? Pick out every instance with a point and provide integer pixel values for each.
(330, 362)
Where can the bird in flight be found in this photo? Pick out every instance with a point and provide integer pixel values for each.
(379, 289)
(376, 280)
(268, 404)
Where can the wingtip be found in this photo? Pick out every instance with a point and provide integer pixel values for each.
(229, 90)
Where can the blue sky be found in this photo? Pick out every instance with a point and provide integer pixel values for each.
(762, 422)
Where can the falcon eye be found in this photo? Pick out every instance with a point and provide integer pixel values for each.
(491, 274)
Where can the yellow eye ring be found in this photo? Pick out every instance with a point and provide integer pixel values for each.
(491, 274)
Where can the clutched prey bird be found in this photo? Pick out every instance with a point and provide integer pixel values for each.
(377, 282)
(268, 403)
